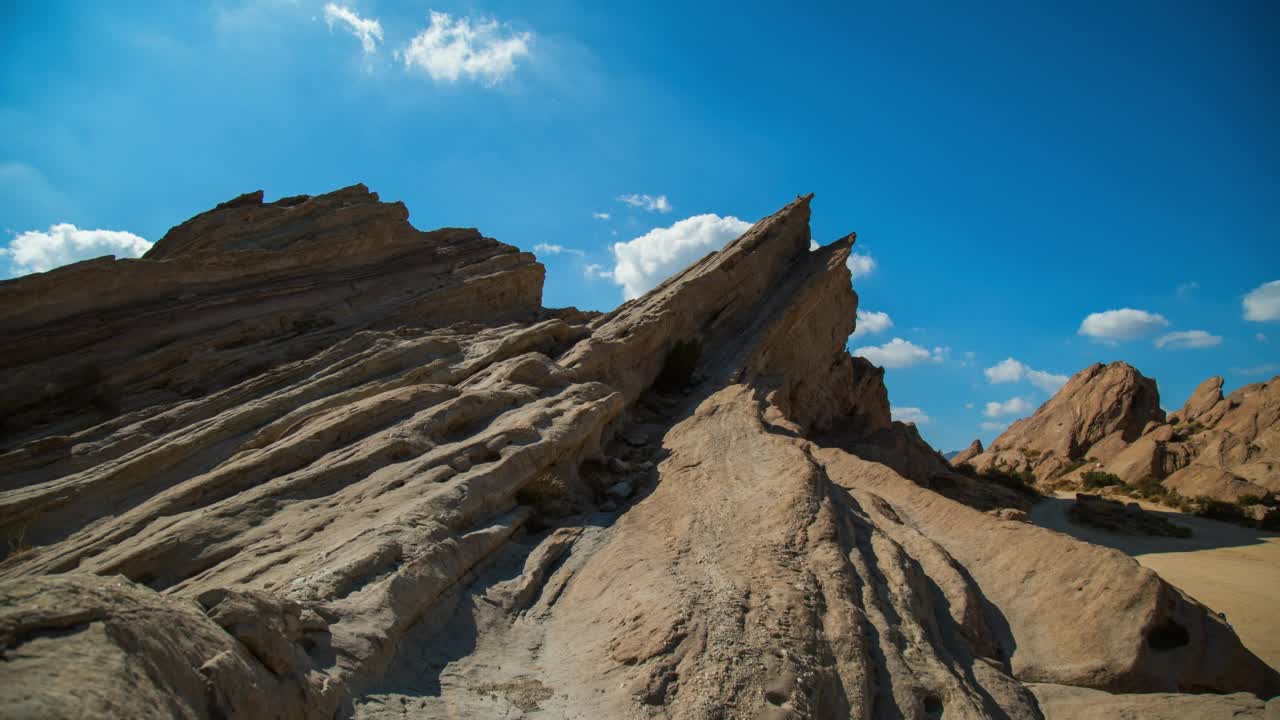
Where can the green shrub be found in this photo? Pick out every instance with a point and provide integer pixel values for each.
(1220, 510)
(967, 470)
(1095, 479)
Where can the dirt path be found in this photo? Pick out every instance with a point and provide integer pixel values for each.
(1232, 569)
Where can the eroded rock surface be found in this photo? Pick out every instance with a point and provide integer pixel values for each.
(304, 460)
(1107, 418)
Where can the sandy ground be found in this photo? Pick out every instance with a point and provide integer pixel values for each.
(1232, 569)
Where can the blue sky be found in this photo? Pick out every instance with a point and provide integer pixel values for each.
(1010, 170)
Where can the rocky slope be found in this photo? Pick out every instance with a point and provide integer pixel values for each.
(303, 460)
(1108, 418)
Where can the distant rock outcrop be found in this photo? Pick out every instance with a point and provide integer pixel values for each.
(1107, 418)
(304, 460)
(974, 450)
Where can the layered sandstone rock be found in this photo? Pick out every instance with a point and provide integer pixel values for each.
(1108, 419)
(304, 460)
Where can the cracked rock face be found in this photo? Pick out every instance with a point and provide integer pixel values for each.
(304, 460)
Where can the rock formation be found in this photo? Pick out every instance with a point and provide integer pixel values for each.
(974, 450)
(1108, 418)
(303, 460)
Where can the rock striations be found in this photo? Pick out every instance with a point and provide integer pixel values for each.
(1108, 418)
(303, 460)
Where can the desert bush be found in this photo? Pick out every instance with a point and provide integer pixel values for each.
(1022, 481)
(1220, 510)
(1096, 479)
(967, 470)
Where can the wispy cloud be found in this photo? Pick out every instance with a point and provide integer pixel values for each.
(368, 30)
(550, 249)
(1187, 340)
(1187, 289)
(910, 415)
(993, 426)
(64, 243)
(600, 215)
(1263, 369)
(449, 50)
(658, 204)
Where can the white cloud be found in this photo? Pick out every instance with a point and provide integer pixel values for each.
(994, 426)
(1187, 288)
(1187, 339)
(644, 262)
(860, 265)
(593, 270)
(899, 353)
(1122, 324)
(813, 245)
(452, 49)
(1012, 406)
(648, 202)
(968, 406)
(550, 249)
(1010, 370)
(1263, 302)
(369, 31)
(1263, 369)
(35, 251)
(600, 215)
(910, 415)
(870, 322)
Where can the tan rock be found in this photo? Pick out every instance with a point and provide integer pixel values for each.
(975, 449)
(351, 467)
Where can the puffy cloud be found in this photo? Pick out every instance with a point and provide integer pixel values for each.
(1010, 370)
(993, 426)
(35, 251)
(871, 322)
(1122, 324)
(910, 415)
(648, 202)
(860, 265)
(452, 49)
(1187, 339)
(813, 245)
(644, 262)
(1012, 406)
(899, 353)
(369, 31)
(600, 215)
(1263, 302)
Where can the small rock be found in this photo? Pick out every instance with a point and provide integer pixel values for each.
(620, 491)
(462, 463)
(608, 506)
(619, 465)
(498, 443)
(636, 439)
(445, 473)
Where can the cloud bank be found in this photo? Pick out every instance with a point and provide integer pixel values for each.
(34, 251)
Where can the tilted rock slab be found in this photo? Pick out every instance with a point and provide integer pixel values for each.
(303, 460)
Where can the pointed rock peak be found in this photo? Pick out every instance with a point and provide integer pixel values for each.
(1206, 395)
(975, 448)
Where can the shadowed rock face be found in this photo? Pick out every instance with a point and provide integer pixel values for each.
(321, 463)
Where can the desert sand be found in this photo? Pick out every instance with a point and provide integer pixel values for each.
(1234, 570)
